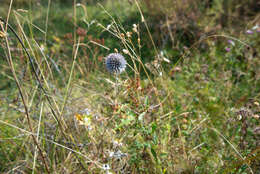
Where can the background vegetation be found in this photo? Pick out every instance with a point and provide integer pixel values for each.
(188, 102)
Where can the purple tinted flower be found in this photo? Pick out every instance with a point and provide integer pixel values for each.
(249, 32)
(227, 49)
(115, 63)
(231, 42)
(258, 30)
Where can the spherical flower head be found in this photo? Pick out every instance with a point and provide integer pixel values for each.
(115, 63)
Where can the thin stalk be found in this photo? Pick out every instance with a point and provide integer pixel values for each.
(34, 71)
(75, 24)
(116, 88)
(233, 147)
(146, 26)
(8, 14)
(10, 62)
(46, 22)
(70, 78)
(38, 132)
(38, 66)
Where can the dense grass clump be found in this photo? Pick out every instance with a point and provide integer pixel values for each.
(129, 87)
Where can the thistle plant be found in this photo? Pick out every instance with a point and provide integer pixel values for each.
(115, 64)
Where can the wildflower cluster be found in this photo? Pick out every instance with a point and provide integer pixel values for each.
(253, 30)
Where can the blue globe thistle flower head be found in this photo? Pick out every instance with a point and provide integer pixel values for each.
(115, 63)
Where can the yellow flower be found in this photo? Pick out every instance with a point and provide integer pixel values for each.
(83, 119)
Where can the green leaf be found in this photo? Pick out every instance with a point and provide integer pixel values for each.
(154, 154)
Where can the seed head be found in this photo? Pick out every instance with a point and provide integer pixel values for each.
(115, 63)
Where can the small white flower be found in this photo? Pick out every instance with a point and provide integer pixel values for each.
(117, 143)
(87, 121)
(86, 111)
(106, 167)
(42, 47)
(239, 117)
(255, 27)
(117, 154)
(111, 154)
(90, 128)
